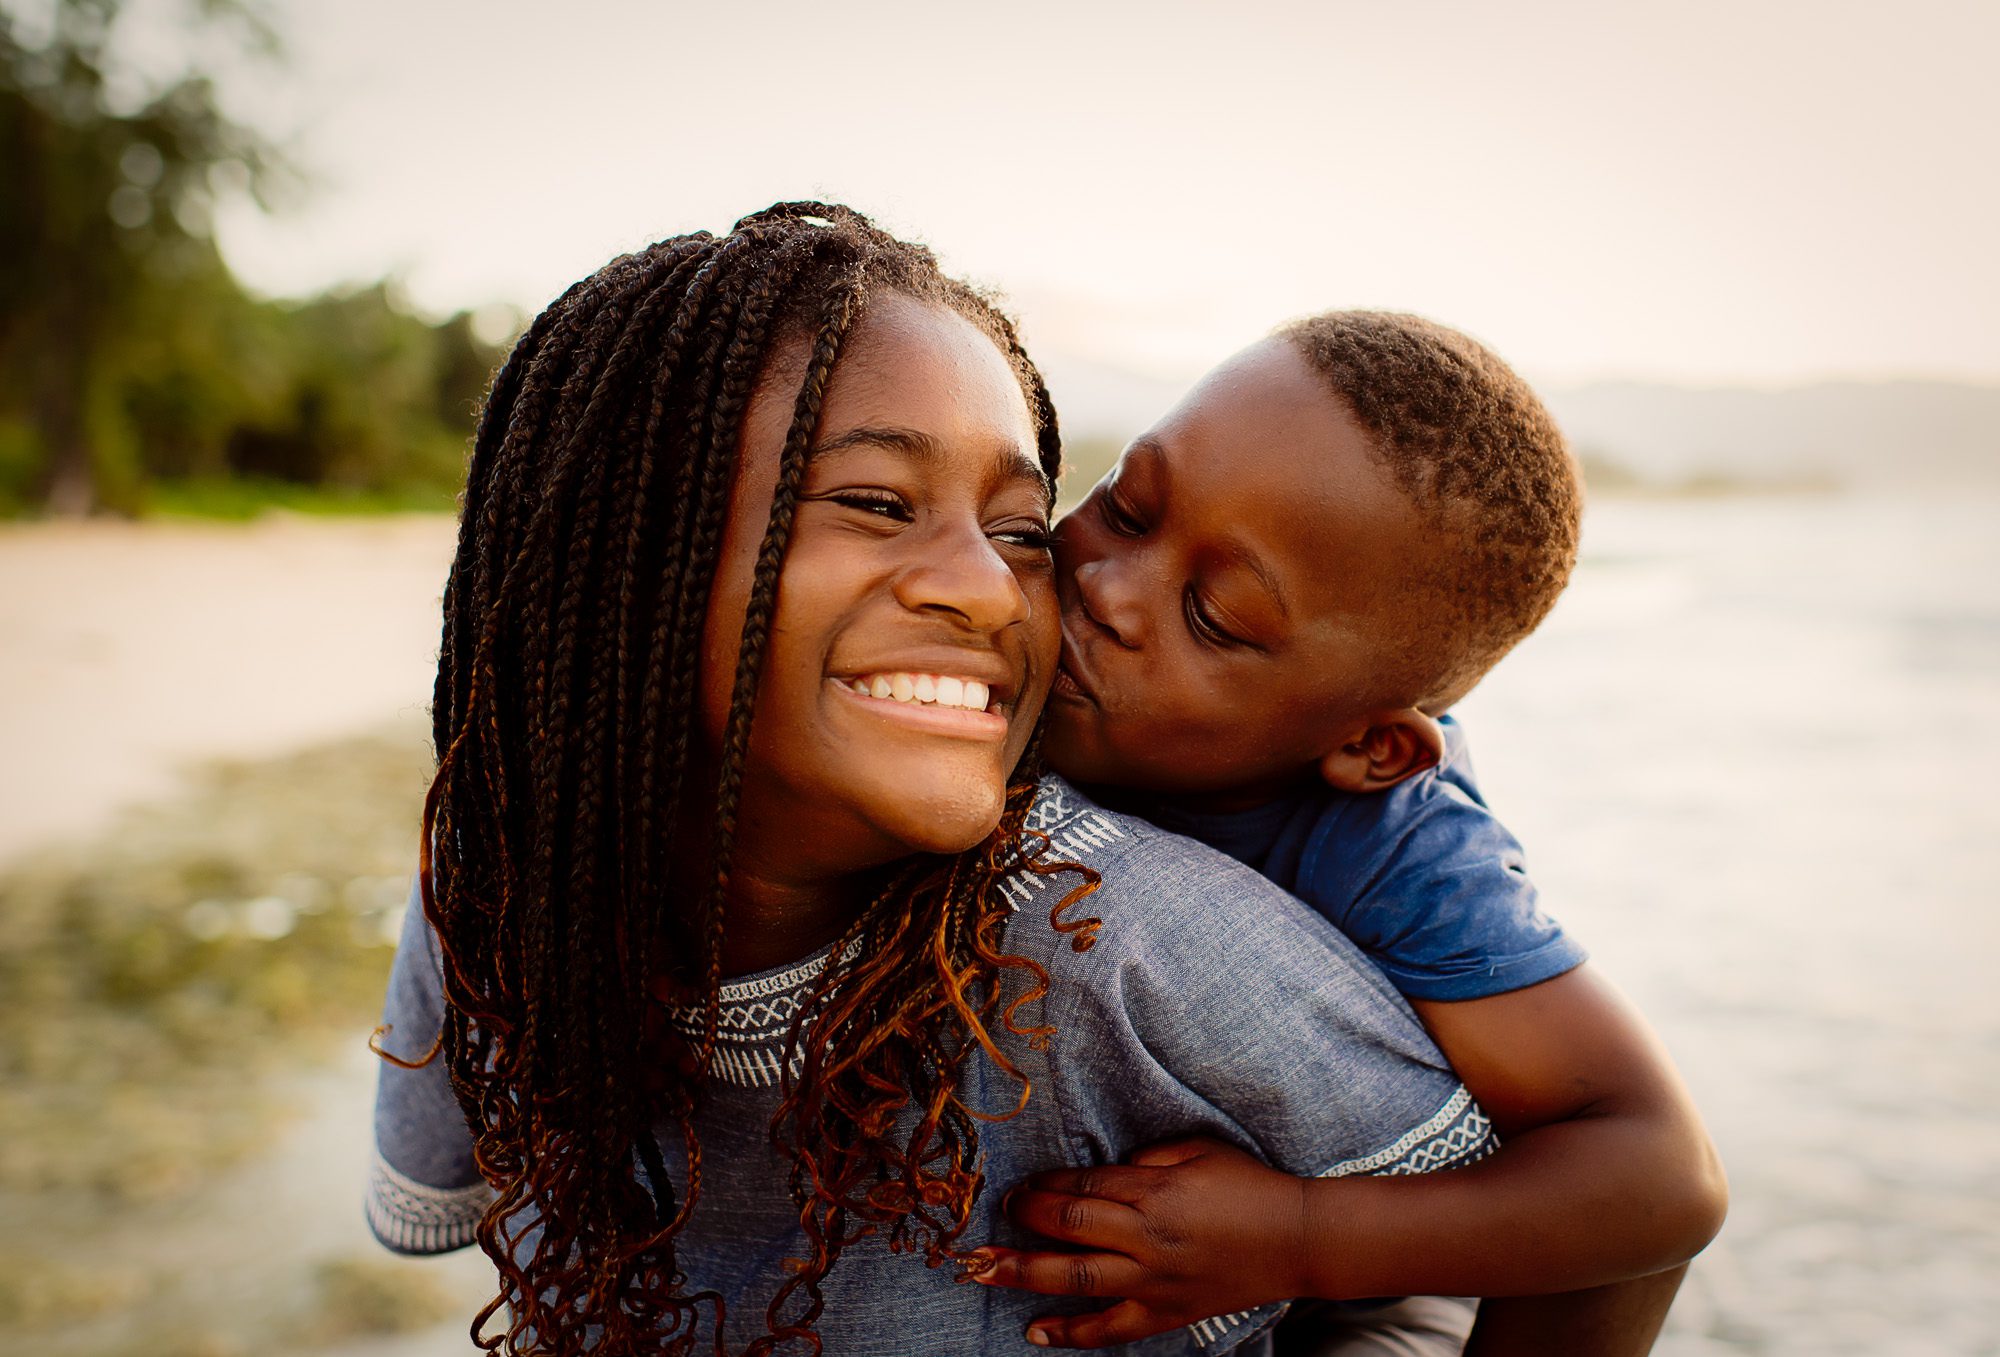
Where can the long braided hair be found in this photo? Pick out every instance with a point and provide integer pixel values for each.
(571, 783)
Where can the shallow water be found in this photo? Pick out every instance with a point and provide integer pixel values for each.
(1748, 757)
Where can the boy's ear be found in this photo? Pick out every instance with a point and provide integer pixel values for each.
(1393, 745)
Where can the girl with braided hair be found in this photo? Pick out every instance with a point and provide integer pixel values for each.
(743, 949)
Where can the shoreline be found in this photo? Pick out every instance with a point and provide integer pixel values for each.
(135, 652)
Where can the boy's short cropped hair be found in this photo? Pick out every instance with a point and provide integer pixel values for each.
(1478, 454)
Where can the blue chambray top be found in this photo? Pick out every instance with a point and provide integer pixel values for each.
(1212, 1003)
(1422, 876)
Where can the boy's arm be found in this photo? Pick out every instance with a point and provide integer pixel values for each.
(1620, 1320)
(1606, 1174)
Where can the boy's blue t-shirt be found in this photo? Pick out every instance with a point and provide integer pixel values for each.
(1422, 876)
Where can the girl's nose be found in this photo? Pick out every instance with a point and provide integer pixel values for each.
(961, 572)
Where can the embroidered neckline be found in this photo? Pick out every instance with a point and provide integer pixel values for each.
(755, 1014)
(776, 982)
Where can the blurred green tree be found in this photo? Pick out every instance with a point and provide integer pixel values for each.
(131, 360)
(107, 207)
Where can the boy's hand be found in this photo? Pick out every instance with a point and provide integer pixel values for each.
(1189, 1229)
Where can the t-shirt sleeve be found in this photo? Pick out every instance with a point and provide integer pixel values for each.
(425, 1194)
(1436, 891)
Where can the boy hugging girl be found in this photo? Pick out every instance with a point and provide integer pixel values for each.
(1269, 606)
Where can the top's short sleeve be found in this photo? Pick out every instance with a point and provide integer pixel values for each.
(425, 1194)
(1436, 890)
(1215, 1002)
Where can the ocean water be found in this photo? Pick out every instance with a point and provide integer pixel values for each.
(1751, 757)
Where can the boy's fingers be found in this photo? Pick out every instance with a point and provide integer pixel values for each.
(1091, 1221)
(1059, 1274)
(1113, 1182)
(1126, 1322)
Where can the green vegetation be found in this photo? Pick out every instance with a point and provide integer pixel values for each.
(244, 498)
(359, 1296)
(157, 984)
(136, 374)
(171, 993)
(36, 1290)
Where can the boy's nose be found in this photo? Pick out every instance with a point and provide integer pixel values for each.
(1108, 601)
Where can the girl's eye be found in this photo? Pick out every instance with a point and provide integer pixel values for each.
(1203, 624)
(1117, 517)
(1032, 536)
(882, 503)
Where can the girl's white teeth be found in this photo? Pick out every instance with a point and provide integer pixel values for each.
(931, 689)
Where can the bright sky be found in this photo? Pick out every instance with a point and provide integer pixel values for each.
(1725, 190)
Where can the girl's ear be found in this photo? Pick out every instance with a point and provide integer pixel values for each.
(1391, 746)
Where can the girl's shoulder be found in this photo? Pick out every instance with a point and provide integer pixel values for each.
(1176, 917)
(1183, 895)
(1209, 998)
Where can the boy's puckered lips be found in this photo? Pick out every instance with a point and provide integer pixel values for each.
(1073, 680)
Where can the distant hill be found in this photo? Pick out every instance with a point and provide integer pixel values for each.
(1638, 434)
(1856, 433)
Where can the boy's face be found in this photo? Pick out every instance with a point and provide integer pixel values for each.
(1227, 588)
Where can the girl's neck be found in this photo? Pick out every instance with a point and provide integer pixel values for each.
(774, 922)
(779, 908)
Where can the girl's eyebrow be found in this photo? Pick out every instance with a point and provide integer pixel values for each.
(1012, 460)
(911, 443)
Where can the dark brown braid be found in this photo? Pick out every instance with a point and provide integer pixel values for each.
(567, 807)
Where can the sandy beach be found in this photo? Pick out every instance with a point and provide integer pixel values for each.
(129, 653)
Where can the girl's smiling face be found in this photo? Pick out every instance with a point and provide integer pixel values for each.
(919, 571)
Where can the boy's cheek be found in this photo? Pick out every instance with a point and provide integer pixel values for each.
(1081, 744)
(1066, 740)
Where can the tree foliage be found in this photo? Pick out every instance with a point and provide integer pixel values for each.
(129, 355)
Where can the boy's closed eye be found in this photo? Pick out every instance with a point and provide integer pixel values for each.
(1117, 516)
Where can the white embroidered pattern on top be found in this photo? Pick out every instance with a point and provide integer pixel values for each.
(1212, 1330)
(418, 1218)
(1459, 1133)
(1071, 832)
(754, 1017)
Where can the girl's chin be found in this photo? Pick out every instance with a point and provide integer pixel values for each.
(948, 823)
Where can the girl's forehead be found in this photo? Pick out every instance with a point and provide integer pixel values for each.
(922, 362)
